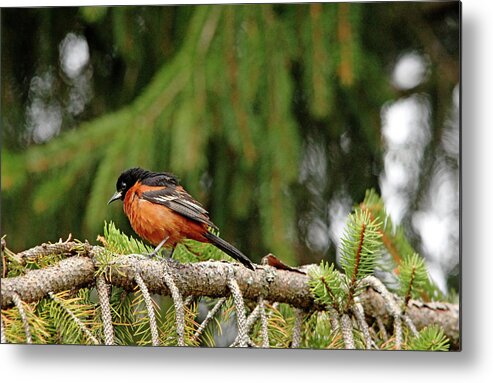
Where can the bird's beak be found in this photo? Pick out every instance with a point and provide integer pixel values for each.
(116, 196)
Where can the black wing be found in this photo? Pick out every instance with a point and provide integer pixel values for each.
(159, 179)
(181, 202)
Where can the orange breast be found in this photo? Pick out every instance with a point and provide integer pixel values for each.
(154, 222)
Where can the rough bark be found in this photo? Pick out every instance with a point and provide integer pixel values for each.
(204, 279)
(421, 313)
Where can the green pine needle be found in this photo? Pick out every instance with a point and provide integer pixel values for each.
(413, 276)
(50, 323)
(115, 243)
(319, 334)
(119, 243)
(192, 251)
(395, 242)
(361, 245)
(67, 330)
(431, 338)
(394, 237)
(326, 285)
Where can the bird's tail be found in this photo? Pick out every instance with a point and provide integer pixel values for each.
(229, 249)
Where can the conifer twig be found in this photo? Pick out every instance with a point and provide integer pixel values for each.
(188, 300)
(373, 336)
(298, 321)
(381, 328)
(398, 331)
(104, 301)
(392, 307)
(150, 309)
(240, 310)
(360, 317)
(251, 319)
(18, 303)
(3, 338)
(210, 279)
(347, 332)
(357, 260)
(67, 248)
(208, 318)
(334, 318)
(178, 301)
(263, 322)
(409, 323)
(388, 298)
(77, 321)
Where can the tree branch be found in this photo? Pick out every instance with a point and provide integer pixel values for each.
(207, 279)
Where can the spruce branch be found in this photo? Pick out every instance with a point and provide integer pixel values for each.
(251, 319)
(211, 279)
(299, 315)
(360, 247)
(326, 284)
(104, 301)
(347, 332)
(334, 319)
(243, 338)
(430, 338)
(178, 301)
(150, 309)
(398, 332)
(409, 323)
(393, 237)
(359, 313)
(422, 314)
(2, 332)
(66, 249)
(263, 322)
(397, 245)
(19, 304)
(381, 328)
(412, 277)
(74, 317)
(210, 315)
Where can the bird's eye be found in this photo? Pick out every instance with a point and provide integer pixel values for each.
(124, 185)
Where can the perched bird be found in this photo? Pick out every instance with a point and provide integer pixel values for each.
(159, 208)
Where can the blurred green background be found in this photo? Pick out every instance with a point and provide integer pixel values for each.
(276, 117)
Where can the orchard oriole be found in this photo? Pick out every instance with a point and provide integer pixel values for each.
(159, 208)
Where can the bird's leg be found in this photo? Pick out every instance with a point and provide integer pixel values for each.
(158, 247)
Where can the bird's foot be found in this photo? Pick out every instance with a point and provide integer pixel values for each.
(155, 253)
